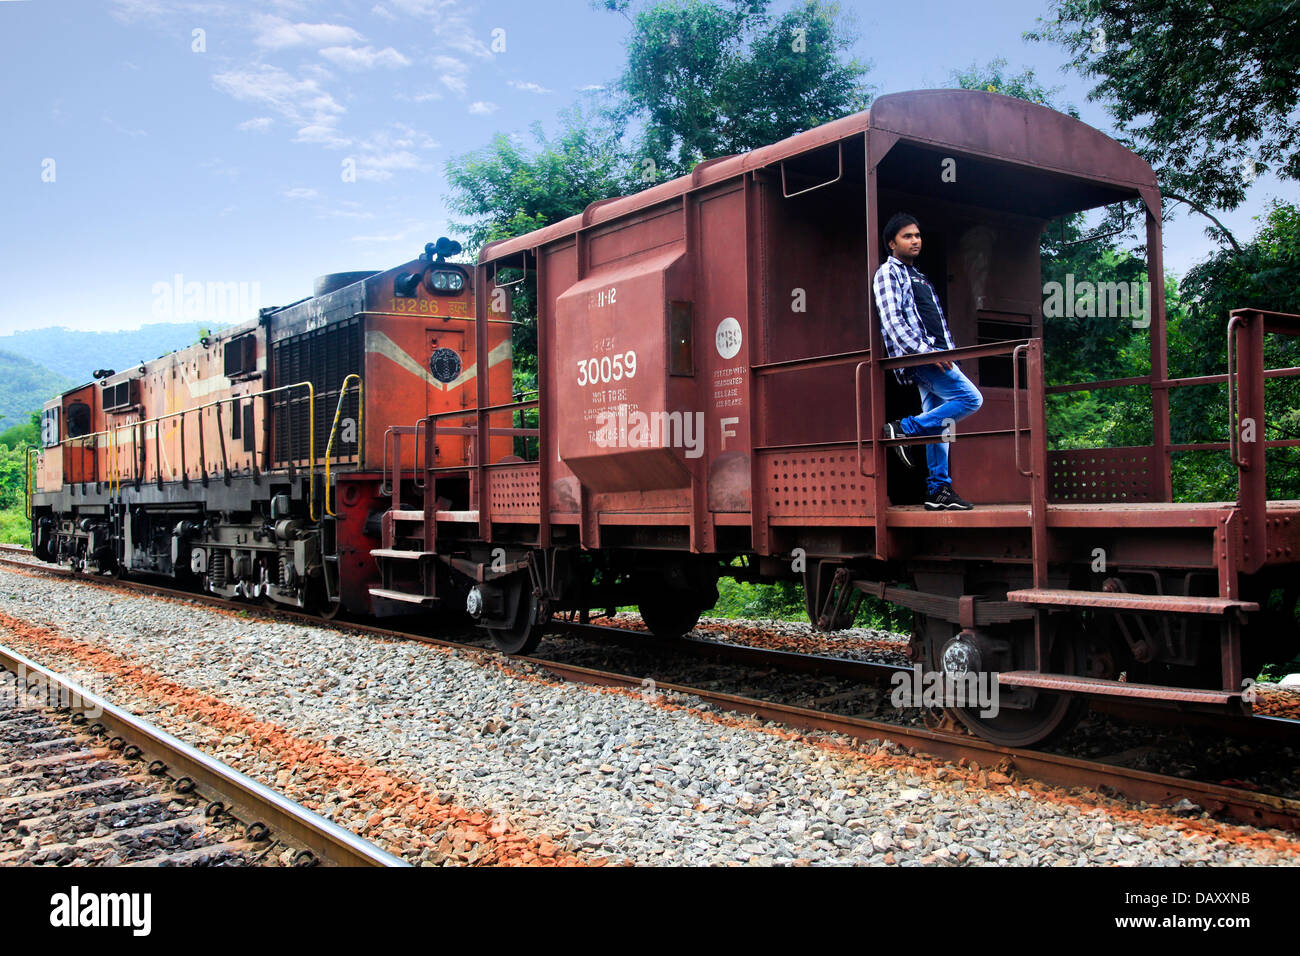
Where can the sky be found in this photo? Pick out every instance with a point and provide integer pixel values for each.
(147, 145)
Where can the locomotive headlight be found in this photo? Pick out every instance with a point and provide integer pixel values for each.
(446, 280)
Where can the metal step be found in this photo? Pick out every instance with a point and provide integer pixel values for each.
(404, 596)
(1071, 684)
(1125, 601)
(401, 554)
(408, 515)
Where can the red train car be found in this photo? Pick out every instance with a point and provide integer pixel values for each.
(712, 385)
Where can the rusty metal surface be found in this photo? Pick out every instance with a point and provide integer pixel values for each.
(1070, 684)
(985, 124)
(1125, 601)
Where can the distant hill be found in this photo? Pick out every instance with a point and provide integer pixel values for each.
(24, 387)
(75, 354)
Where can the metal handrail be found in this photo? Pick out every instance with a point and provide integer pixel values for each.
(857, 409)
(27, 500)
(112, 432)
(361, 434)
(1015, 407)
(1233, 450)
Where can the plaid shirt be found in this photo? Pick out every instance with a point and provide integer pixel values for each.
(900, 320)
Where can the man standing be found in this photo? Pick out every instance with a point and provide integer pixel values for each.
(912, 323)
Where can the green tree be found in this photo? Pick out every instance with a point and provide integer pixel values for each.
(1205, 90)
(994, 78)
(707, 78)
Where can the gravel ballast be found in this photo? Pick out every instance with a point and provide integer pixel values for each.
(570, 771)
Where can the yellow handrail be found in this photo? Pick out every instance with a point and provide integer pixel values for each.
(361, 435)
(28, 500)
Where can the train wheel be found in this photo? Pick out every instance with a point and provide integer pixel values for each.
(523, 636)
(1050, 716)
(670, 618)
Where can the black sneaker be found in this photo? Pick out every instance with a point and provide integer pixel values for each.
(945, 499)
(895, 430)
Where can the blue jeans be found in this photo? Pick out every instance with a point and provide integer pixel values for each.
(947, 396)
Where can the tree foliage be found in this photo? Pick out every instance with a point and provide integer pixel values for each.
(994, 77)
(1201, 88)
(709, 79)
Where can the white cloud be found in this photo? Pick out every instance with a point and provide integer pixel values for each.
(326, 136)
(122, 129)
(380, 10)
(345, 209)
(258, 124)
(275, 33)
(128, 10)
(423, 96)
(529, 87)
(392, 150)
(452, 72)
(302, 101)
(365, 57)
(398, 136)
(590, 87)
(482, 108)
(300, 192)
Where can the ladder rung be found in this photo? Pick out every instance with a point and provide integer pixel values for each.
(404, 596)
(1126, 601)
(401, 554)
(1069, 683)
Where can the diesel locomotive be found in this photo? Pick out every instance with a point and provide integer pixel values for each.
(711, 391)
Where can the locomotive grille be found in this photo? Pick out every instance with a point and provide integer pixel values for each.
(323, 357)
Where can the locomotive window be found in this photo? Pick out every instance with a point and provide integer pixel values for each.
(120, 396)
(681, 345)
(78, 419)
(235, 419)
(241, 355)
(246, 413)
(50, 427)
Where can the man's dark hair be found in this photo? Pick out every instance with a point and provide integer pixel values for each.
(897, 223)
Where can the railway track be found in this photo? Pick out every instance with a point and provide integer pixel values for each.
(84, 781)
(1238, 804)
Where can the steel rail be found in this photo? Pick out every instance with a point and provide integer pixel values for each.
(1246, 806)
(1242, 805)
(243, 796)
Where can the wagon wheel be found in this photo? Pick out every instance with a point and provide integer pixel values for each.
(525, 632)
(1050, 716)
(670, 615)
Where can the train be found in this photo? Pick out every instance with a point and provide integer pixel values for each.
(711, 388)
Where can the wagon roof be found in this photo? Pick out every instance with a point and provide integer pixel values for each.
(998, 127)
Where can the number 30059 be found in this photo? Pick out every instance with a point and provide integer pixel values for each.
(606, 369)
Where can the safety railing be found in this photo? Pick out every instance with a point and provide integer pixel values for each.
(28, 489)
(110, 439)
(361, 433)
(1032, 349)
(1244, 338)
(428, 429)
